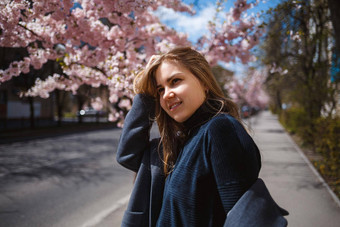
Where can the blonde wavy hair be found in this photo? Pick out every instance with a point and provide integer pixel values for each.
(145, 82)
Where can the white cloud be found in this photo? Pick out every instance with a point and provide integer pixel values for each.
(195, 26)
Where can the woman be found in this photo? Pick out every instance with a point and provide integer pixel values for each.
(204, 160)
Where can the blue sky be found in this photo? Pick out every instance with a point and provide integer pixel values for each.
(195, 26)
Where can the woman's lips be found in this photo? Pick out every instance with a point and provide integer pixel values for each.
(174, 106)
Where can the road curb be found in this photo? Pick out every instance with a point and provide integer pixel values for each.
(311, 166)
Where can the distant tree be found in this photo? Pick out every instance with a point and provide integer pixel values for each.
(296, 49)
(223, 76)
(249, 90)
(28, 77)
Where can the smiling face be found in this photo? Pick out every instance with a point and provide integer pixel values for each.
(180, 92)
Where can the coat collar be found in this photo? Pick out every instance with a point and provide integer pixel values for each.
(203, 114)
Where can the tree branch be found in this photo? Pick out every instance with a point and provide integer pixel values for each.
(24, 27)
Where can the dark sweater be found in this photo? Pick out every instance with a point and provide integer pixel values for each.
(217, 164)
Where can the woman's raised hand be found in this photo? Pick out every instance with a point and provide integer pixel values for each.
(141, 77)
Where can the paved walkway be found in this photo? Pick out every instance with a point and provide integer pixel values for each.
(291, 179)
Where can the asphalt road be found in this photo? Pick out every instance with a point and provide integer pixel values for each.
(70, 180)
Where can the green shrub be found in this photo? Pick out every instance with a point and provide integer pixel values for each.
(327, 137)
(295, 121)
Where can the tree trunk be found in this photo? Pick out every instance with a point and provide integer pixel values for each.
(278, 107)
(59, 103)
(80, 101)
(334, 7)
(31, 103)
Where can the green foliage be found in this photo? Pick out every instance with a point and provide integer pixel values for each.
(294, 119)
(327, 136)
(296, 49)
(70, 115)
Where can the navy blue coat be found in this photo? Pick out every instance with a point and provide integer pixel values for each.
(256, 208)
(137, 153)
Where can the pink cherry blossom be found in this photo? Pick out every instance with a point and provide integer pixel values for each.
(108, 42)
(249, 90)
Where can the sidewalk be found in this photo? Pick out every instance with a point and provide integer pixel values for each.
(291, 179)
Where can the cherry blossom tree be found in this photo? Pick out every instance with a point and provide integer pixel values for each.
(95, 42)
(249, 90)
(104, 43)
(234, 37)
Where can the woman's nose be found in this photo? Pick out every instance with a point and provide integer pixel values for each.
(168, 94)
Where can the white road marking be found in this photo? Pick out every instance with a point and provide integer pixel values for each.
(102, 215)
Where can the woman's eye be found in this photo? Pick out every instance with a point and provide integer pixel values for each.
(175, 81)
(160, 90)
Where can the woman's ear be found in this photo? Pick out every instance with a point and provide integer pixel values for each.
(206, 89)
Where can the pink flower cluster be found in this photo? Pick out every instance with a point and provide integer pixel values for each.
(234, 38)
(103, 41)
(100, 42)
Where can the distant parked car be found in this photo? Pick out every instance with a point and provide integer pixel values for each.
(248, 111)
(90, 112)
(245, 111)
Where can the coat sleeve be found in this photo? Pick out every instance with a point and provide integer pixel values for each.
(136, 132)
(256, 208)
(234, 159)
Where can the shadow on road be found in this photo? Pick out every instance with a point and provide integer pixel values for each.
(12, 136)
(78, 157)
